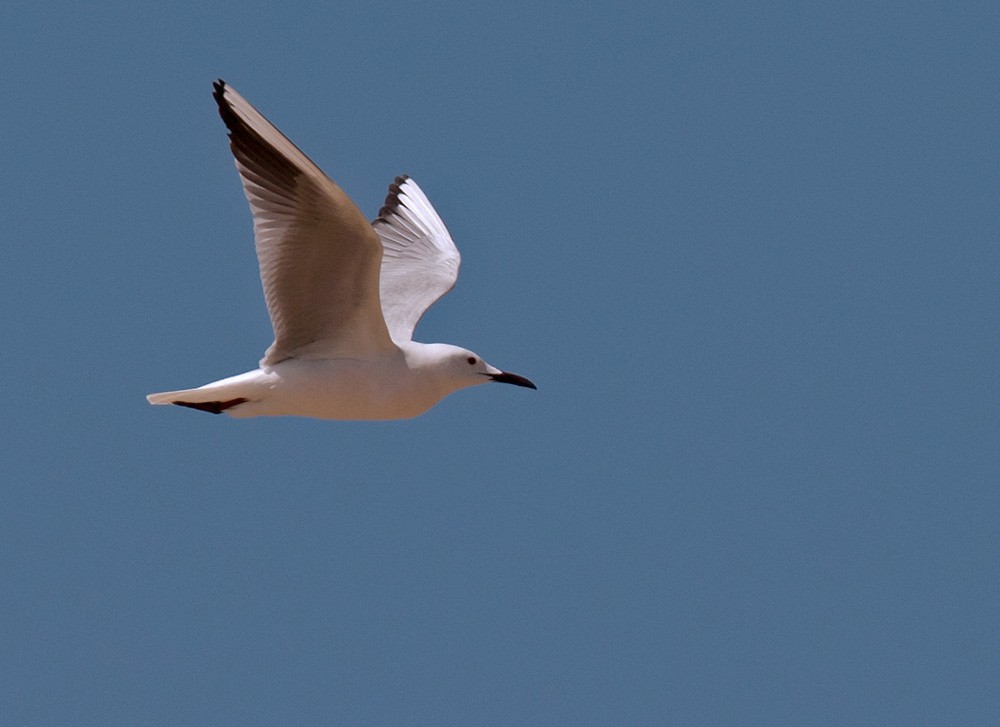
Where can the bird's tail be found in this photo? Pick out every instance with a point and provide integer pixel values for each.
(201, 399)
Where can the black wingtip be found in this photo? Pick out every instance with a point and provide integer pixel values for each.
(392, 199)
(219, 92)
(229, 117)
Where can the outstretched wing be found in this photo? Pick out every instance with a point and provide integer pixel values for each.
(419, 259)
(319, 257)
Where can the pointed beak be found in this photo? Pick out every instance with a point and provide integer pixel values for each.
(505, 377)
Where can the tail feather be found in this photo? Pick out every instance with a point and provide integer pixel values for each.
(215, 407)
(172, 397)
(200, 399)
(166, 397)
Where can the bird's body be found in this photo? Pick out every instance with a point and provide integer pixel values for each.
(344, 294)
(395, 386)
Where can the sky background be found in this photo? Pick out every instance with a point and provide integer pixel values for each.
(748, 252)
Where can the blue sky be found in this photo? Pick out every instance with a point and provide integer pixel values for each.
(748, 252)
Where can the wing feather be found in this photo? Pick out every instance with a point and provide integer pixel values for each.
(319, 258)
(419, 259)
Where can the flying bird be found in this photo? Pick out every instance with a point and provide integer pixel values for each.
(344, 294)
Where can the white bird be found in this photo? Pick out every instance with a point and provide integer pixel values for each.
(344, 295)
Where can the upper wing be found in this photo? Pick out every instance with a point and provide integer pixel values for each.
(419, 259)
(319, 258)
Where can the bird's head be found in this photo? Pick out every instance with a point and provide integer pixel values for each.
(469, 369)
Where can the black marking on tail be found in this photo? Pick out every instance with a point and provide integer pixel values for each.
(215, 407)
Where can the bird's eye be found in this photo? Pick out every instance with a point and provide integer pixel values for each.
(471, 360)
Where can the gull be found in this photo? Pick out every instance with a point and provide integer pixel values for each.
(343, 294)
